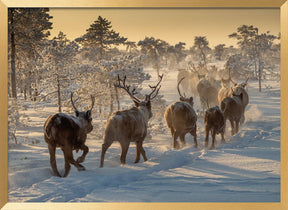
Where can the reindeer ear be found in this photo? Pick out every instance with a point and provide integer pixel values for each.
(88, 114)
(191, 100)
(148, 103)
(76, 113)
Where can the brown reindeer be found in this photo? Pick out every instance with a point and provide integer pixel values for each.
(214, 122)
(226, 89)
(208, 90)
(233, 109)
(129, 125)
(181, 119)
(69, 133)
(238, 88)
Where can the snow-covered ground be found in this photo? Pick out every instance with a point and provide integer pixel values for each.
(245, 169)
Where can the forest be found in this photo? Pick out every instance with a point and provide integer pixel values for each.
(43, 71)
(46, 69)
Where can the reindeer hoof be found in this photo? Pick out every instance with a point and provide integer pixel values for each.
(80, 159)
(81, 168)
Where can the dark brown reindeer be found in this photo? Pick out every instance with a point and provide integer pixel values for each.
(69, 133)
(226, 89)
(181, 119)
(215, 122)
(129, 125)
(233, 108)
(238, 88)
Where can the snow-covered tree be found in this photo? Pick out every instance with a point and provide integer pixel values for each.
(177, 52)
(61, 65)
(27, 27)
(254, 46)
(154, 49)
(15, 119)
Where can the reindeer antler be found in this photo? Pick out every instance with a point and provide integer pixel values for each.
(154, 88)
(73, 102)
(93, 101)
(246, 80)
(126, 88)
(179, 89)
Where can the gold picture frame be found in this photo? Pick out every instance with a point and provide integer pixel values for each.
(5, 4)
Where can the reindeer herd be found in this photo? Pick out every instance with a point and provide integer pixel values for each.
(70, 132)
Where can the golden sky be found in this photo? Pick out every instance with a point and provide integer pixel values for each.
(170, 25)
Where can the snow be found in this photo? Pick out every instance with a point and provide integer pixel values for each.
(245, 169)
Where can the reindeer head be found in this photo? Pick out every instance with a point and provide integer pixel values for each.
(243, 84)
(84, 118)
(183, 98)
(141, 103)
(237, 91)
(239, 87)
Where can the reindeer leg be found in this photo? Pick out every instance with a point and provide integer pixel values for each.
(194, 134)
(175, 143)
(236, 126)
(232, 126)
(105, 146)
(53, 164)
(206, 136)
(68, 154)
(124, 148)
(137, 152)
(172, 131)
(213, 133)
(143, 153)
(222, 137)
(82, 157)
(182, 139)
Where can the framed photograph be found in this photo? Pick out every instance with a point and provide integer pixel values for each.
(197, 89)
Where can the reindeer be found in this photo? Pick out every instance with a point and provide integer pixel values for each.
(233, 109)
(207, 86)
(208, 91)
(129, 125)
(181, 119)
(69, 133)
(192, 76)
(226, 90)
(214, 122)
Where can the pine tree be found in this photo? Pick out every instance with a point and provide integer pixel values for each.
(219, 51)
(201, 44)
(99, 38)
